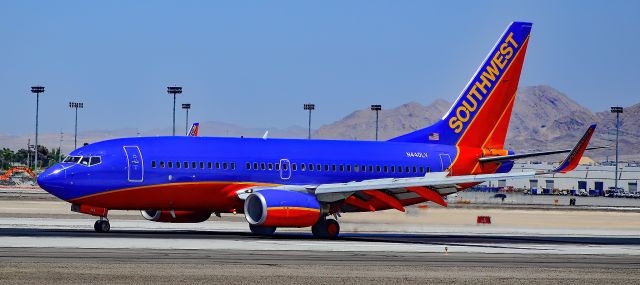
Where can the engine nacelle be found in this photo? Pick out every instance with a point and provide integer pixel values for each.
(180, 216)
(282, 208)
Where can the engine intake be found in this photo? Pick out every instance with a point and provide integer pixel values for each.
(180, 216)
(282, 208)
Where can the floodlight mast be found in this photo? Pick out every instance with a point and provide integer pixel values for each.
(186, 107)
(310, 107)
(76, 106)
(617, 111)
(174, 90)
(37, 90)
(377, 109)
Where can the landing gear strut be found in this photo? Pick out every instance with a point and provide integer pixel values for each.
(326, 228)
(102, 225)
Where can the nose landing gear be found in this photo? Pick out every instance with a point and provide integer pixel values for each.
(102, 225)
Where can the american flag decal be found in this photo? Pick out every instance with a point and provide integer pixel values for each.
(434, 136)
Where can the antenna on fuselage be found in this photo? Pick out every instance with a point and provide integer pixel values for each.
(264, 137)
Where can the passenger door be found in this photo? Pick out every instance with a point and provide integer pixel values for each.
(135, 172)
(445, 161)
(285, 169)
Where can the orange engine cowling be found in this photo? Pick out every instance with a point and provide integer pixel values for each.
(177, 216)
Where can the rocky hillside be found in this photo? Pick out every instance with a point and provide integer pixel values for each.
(543, 119)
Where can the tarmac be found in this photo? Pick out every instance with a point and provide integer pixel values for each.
(41, 241)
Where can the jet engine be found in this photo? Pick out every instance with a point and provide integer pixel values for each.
(176, 217)
(282, 208)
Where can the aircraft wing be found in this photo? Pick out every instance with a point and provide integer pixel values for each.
(386, 193)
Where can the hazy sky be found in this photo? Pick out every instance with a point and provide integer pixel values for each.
(255, 63)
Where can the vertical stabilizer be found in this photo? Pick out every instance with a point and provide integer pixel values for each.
(480, 116)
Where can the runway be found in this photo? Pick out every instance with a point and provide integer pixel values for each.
(44, 243)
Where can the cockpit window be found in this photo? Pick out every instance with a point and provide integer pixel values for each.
(72, 159)
(94, 160)
(85, 161)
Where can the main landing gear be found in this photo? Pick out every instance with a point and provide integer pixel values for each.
(262, 231)
(102, 225)
(326, 228)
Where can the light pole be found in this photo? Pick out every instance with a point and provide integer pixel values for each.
(37, 90)
(174, 90)
(76, 105)
(186, 107)
(376, 108)
(617, 111)
(309, 107)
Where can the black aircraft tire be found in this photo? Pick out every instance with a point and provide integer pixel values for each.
(326, 229)
(262, 231)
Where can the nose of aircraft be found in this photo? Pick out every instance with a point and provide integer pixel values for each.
(53, 180)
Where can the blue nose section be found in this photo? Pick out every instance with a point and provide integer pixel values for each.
(54, 180)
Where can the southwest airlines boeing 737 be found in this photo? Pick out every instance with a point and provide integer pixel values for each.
(301, 183)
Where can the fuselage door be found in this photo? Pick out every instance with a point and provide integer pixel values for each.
(134, 164)
(285, 169)
(445, 161)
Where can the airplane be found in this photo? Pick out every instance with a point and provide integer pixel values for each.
(193, 132)
(303, 183)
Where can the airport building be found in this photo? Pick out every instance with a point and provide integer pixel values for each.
(587, 179)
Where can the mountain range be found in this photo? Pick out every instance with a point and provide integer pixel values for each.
(543, 119)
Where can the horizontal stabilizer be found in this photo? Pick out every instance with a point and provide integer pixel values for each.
(572, 160)
(531, 154)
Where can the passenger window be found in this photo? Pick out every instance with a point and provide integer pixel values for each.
(209, 165)
(217, 165)
(177, 164)
(326, 167)
(310, 167)
(233, 166)
(277, 166)
(294, 167)
(386, 169)
(270, 166)
(170, 164)
(96, 160)
(224, 165)
(364, 168)
(255, 166)
(185, 164)
(248, 166)
(414, 169)
(153, 164)
(263, 166)
(399, 169)
(406, 169)
(303, 167)
(318, 167)
(194, 165)
(341, 168)
(421, 169)
(161, 164)
(285, 167)
(428, 169)
(370, 168)
(356, 168)
(333, 167)
(378, 168)
(201, 165)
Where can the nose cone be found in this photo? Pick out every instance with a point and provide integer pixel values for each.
(53, 180)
